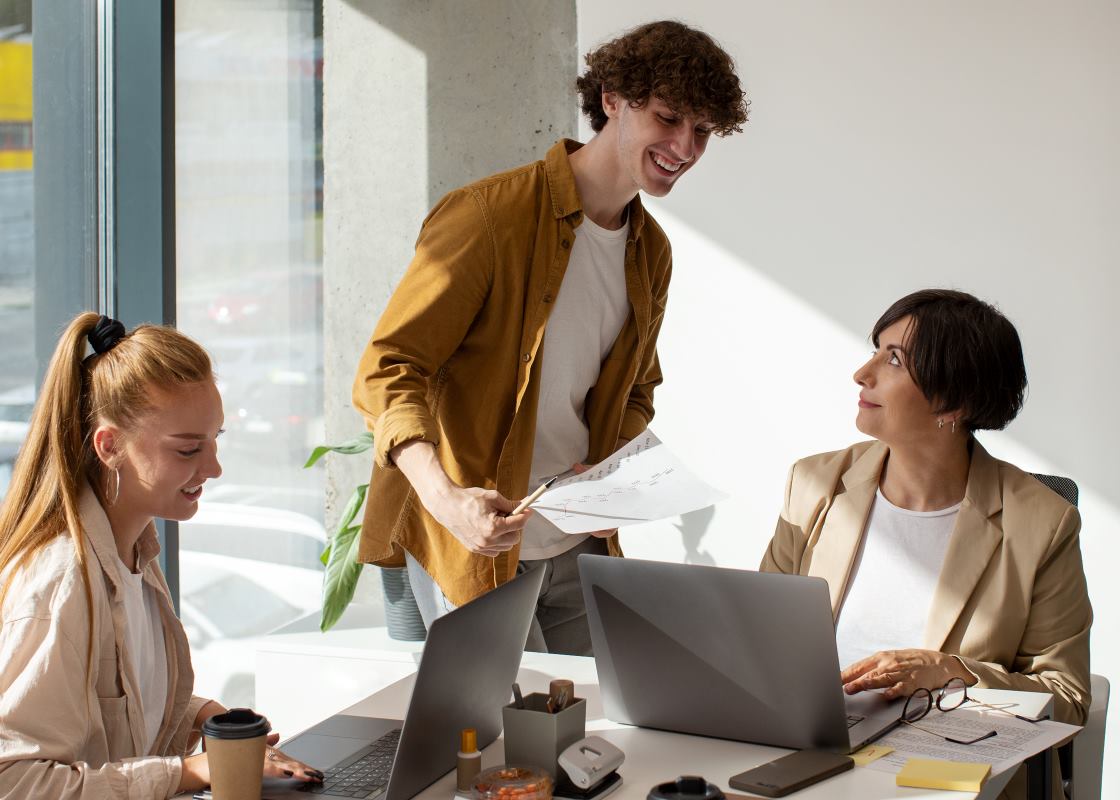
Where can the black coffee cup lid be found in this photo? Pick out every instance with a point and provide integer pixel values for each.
(686, 787)
(237, 723)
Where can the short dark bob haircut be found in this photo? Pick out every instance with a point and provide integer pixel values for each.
(963, 354)
(682, 66)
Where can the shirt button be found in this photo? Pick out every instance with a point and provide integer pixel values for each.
(526, 358)
(564, 244)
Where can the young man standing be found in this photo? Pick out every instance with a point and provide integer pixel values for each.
(521, 341)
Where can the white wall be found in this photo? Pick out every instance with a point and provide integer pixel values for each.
(892, 146)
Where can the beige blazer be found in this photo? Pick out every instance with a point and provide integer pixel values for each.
(1011, 599)
(68, 733)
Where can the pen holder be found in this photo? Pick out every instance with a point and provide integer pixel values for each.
(533, 737)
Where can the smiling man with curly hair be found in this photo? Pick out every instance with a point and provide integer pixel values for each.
(680, 65)
(522, 341)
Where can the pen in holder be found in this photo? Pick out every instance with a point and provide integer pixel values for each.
(536, 737)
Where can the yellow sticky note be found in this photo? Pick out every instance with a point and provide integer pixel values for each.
(958, 776)
(872, 752)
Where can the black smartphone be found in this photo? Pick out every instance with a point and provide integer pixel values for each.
(787, 774)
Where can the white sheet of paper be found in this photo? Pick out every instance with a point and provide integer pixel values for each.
(642, 482)
(1014, 742)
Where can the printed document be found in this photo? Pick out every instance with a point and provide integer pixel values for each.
(642, 482)
(1015, 740)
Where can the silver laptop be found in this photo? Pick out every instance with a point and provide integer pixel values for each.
(727, 653)
(469, 663)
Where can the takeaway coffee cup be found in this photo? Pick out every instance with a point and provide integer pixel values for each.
(235, 743)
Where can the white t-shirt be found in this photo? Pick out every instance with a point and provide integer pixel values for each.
(144, 642)
(893, 580)
(590, 310)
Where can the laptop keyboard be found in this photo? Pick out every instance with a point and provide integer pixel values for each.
(365, 777)
(855, 719)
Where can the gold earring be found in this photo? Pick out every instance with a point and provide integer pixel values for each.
(940, 424)
(954, 429)
(114, 479)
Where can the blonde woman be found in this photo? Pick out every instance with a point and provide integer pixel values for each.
(95, 674)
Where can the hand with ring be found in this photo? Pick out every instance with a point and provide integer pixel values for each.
(902, 672)
(279, 765)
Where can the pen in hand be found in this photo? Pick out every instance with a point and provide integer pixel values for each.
(528, 501)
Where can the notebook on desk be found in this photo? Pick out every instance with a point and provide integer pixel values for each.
(727, 653)
(470, 660)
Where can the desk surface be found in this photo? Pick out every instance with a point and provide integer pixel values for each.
(652, 756)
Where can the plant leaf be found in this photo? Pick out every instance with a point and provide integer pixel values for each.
(353, 505)
(325, 556)
(341, 577)
(359, 444)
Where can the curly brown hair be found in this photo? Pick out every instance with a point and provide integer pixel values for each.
(680, 65)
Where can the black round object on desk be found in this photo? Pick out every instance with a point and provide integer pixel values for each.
(686, 787)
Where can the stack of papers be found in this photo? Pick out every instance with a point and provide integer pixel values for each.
(1015, 740)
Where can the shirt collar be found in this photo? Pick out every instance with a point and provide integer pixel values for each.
(565, 196)
(100, 535)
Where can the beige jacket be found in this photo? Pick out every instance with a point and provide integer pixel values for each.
(1011, 599)
(66, 733)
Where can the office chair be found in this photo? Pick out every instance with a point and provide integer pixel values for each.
(1088, 747)
(1084, 756)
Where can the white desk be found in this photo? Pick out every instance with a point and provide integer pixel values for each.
(653, 757)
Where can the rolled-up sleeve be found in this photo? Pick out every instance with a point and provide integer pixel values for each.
(186, 737)
(45, 719)
(426, 319)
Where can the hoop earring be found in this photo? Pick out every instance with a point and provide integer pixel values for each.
(115, 481)
(954, 429)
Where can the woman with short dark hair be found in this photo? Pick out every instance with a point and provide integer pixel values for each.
(942, 561)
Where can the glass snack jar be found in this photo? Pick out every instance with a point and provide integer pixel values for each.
(512, 783)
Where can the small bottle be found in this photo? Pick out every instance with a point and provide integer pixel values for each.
(470, 760)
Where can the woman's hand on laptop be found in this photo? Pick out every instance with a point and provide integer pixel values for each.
(278, 765)
(901, 672)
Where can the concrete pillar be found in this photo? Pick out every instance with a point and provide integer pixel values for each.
(419, 98)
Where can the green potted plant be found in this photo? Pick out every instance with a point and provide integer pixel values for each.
(340, 558)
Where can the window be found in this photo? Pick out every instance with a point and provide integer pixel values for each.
(249, 287)
(17, 239)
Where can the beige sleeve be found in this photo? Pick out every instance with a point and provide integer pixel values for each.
(1054, 651)
(46, 711)
(788, 542)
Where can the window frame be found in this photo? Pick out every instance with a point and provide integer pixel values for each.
(104, 110)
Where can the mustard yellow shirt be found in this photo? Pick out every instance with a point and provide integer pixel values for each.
(454, 358)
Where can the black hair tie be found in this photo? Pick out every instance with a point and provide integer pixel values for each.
(105, 334)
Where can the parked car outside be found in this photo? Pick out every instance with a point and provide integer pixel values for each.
(243, 572)
(15, 420)
(304, 500)
(266, 300)
(225, 613)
